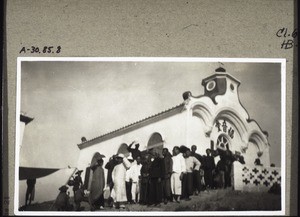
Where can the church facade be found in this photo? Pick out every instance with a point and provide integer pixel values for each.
(215, 120)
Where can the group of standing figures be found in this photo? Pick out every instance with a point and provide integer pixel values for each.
(154, 177)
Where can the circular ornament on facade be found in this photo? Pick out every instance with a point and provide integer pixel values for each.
(210, 85)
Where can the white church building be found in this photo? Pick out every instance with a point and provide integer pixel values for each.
(214, 120)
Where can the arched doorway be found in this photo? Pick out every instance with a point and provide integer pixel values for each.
(123, 149)
(155, 142)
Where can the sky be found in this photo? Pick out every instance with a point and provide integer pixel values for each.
(69, 100)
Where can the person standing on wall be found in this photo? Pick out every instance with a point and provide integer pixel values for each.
(178, 170)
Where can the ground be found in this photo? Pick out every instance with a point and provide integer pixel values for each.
(214, 200)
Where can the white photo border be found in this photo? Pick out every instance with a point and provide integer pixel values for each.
(282, 61)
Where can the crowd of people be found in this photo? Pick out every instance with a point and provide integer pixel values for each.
(151, 177)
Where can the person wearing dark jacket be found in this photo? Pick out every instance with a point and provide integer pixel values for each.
(77, 181)
(209, 167)
(135, 152)
(156, 173)
(110, 167)
(62, 202)
(145, 180)
(166, 182)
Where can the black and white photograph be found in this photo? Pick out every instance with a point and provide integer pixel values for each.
(150, 136)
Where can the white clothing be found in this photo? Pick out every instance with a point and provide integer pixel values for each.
(192, 164)
(179, 165)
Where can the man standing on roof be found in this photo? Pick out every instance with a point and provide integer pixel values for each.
(134, 151)
(179, 168)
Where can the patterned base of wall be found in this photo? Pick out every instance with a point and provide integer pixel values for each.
(255, 178)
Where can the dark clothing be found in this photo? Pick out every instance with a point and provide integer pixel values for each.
(209, 166)
(30, 190)
(128, 191)
(166, 182)
(110, 165)
(155, 191)
(144, 191)
(134, 152)
(198, 157)
(156, 169)
(187, 185)
(62, 202)
(77, 183)
(30, 184)
(221, 171)
(156, 174)
(166, 189)
(168, 165)
(196, 180)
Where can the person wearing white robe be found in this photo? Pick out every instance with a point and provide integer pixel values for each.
(179, 168)
(118, 177)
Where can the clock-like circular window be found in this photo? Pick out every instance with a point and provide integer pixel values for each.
(223, 142)
(210, 85)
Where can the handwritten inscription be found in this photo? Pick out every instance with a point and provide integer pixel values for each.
(289, 37)
(43, 50)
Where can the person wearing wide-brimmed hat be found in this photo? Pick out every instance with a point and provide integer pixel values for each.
(62, 201)
(96, 197)
(119, 177)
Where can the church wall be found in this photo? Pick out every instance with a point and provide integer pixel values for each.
(172, 130)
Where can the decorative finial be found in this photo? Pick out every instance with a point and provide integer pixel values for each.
(220, 69)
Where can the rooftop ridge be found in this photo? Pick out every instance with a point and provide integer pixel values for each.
(132, 124)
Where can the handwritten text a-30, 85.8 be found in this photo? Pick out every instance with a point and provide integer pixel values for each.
(45, 49)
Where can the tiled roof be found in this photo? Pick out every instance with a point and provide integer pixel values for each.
(135, 125)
